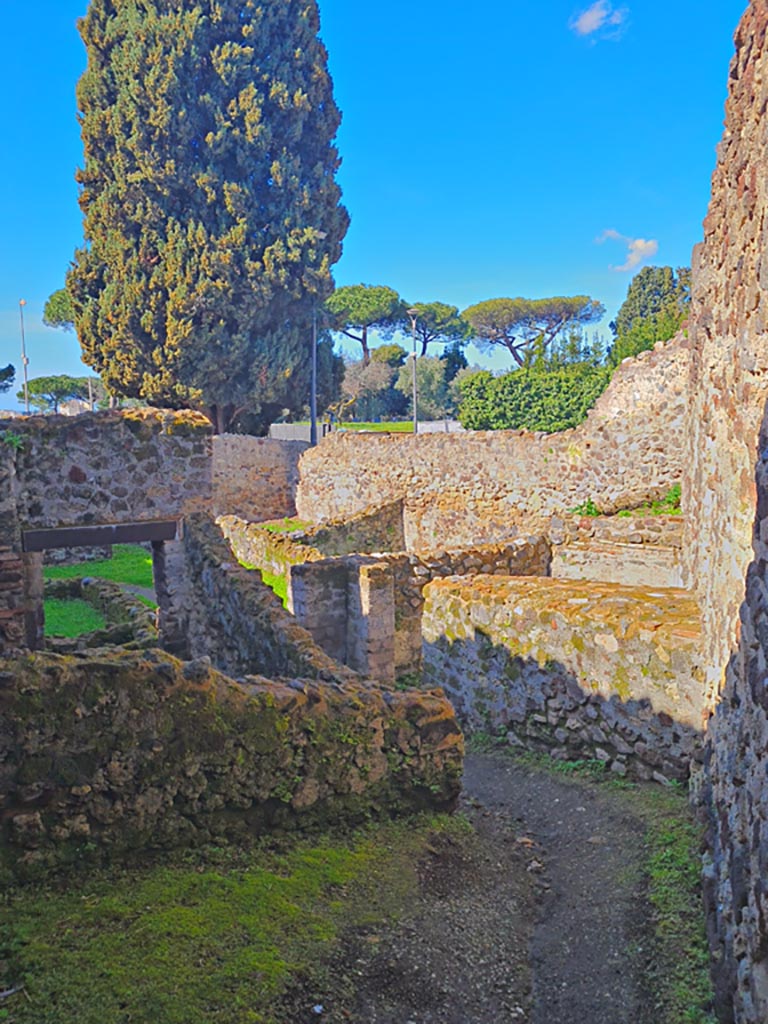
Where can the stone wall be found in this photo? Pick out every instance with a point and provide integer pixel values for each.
(255, 477)
(636, 550)
(332, 597)
(77, 556)
(107, 468)
(135, 465)
(486, 486)
(586, 669)
(271, 552)
(234, 619)
(123, 752)
(724, 483)
(128, 622)
(377, 528)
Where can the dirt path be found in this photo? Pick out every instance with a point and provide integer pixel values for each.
(588, 927)
(534, 920)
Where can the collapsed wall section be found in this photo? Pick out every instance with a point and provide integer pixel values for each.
(487, 486)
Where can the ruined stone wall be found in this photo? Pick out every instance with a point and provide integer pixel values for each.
(636, 550)
(255, 477)
(378, 528)
(128, 622)
(727, 455)
(579, 669)
(123, 752)
(235, 620)
(95, 469)
(326, 598)
(13, 604)
(134, 465)
(486, 486)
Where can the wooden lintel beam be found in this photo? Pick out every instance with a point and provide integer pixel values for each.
(101, 536)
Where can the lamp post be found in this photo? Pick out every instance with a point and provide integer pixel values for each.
(24, 360)
(413, 314)
(313, 388)
(319, 236)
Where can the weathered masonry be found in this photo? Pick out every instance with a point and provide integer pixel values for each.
(94, 479)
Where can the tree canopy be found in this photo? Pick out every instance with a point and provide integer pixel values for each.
(439, 323)
(58, 310)
(212, 216)
(47, 393)
(356, 309)
(518, 324)
(7, 374)
(657, 304)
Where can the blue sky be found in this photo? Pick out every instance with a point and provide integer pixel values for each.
(485, 150)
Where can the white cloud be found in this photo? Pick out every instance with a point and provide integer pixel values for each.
(638, 249)
(601, 21)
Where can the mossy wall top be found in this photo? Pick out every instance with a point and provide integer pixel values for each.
(110, 467)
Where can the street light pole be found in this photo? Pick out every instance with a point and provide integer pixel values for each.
(24, 360)
(313, 391)
(413, 314)
(319, 236)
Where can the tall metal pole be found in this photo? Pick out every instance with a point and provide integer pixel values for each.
(313, 391)
(24, 360)
(413, 314)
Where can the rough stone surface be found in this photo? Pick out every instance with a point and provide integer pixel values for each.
(124, 751)
(255, 477)
(488, 486)
(327, 594)
(104, 468)
(726, 499)
(236, 620)
(583, 670)
(636, 550)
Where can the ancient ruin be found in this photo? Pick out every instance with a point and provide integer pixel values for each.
(443, 576)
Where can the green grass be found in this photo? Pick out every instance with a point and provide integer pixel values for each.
(212, 937)
(398, 427)
(285, 525)
(669, 505)
(70, 618)
(277, 583)
(130, 563)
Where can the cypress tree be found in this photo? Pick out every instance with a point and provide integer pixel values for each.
(212, 217)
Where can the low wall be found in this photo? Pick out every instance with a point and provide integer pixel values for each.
(236, 620)
(487, 486)
(329, 598)
(583, 670)
(126, 752)
(255, 477)
(636, 551)
(263, 549)
(365, 610)
(129, 623)
(378, 528)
